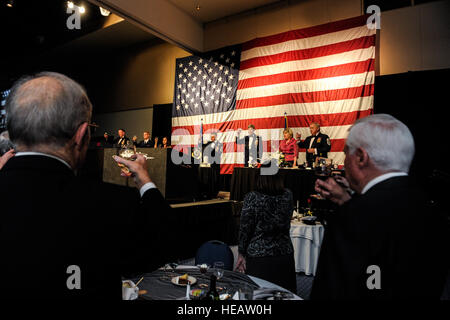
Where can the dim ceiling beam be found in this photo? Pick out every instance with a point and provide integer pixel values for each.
(161, 18)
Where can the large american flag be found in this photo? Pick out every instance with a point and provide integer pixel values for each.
(321, 74)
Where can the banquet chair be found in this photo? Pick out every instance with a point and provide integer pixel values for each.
(213, 251)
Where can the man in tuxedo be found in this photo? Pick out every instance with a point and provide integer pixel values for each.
(373, 247)
(62, 238)
(253, 146)
(316, 145)
(122, 139)
(146, 143)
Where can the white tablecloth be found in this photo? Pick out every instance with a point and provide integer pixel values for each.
(266, 284)
(306, 240)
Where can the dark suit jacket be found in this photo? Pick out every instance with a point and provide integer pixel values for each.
(214, 152)
(256, 148)
(107, 142)
(124, 141)
(321, 143)
(391, 227)
(142, 144)
(50, 219)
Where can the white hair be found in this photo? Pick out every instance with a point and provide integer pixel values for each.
(388, 142)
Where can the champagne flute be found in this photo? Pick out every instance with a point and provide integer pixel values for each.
(126, 151)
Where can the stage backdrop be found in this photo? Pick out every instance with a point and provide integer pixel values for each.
(321, 74)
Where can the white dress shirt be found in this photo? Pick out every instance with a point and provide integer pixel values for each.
(311, 143)
(381, 178)
(250, 147)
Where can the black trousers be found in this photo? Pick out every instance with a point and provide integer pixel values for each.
(277, 269)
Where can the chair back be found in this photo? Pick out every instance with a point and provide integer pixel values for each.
(213, 251)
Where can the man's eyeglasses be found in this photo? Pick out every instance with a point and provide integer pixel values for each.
(93, 125)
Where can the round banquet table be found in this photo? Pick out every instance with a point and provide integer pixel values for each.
(306, 240)
(159, 286)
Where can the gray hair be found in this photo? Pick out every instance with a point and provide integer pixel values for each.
(48, 111)
(388, 142)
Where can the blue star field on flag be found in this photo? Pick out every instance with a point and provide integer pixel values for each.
(206, 84)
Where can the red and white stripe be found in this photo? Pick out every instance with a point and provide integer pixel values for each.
(321, 74)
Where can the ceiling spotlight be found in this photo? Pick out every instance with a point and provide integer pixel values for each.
(70, 4)
(82, 9)
(10, 3)
(104, 12)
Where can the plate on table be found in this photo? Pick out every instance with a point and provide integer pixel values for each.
(191, 280)
(311, 220)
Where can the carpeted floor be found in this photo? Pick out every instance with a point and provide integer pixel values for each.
(304, 285)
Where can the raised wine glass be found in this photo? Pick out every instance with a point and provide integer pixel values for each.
(218, 269)
(322, 172)
(126, 151)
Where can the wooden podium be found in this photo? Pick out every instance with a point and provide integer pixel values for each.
(175, 182)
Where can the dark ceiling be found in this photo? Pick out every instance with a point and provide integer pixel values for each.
(31, 28)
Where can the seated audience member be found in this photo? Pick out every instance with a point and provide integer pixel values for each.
(288, 147)
(146, 142)
(265, 246)
(372, 248)
(65, 241)
(165, 143)
(122, 139)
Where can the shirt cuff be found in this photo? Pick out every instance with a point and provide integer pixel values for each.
(145, 187)
(315, 151)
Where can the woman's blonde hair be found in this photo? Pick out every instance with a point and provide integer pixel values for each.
(289, 131)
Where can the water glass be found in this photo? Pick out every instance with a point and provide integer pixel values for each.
(218, 269)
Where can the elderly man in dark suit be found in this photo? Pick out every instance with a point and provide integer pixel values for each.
(376, 246)
(61, 238)
(316, 145)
